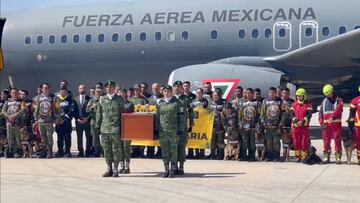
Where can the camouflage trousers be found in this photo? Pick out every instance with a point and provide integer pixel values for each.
(248, 144)
(46, 133)
(169, 142)
(95, 133)
(183, 139)
(13, 138)
(272, 140)
(111, 144)
(125, 150)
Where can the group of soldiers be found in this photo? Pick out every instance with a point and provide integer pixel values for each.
(248, 128)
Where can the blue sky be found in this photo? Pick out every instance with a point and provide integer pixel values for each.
(9, 6)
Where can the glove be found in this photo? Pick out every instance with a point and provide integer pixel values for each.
(179, 133)
(189, 130)
(156, 134)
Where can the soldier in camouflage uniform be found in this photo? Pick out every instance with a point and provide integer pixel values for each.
(248, 120)
(187, 116)
(14, 110)
(125, 144)
(218, 133)
(47, 112)
(3, 137)
(91, 109)
(271, 115)
(138, 99)
(169, 126)
(286, 122)
(229, 119)
(108, 120)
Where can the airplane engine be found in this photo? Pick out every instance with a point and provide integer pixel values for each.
(228, 76)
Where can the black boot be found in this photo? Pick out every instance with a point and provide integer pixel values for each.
(108, 172)
(172, 170)
(116, 170)
(181, 168)
(127, 167)
(122, 167)
(166, 173)
(49, 154)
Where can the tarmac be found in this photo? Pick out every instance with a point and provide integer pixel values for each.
(79, 180)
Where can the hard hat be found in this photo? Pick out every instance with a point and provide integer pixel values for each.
(328, 89)
(300, 92)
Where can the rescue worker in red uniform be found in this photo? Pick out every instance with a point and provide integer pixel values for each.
(301, 112)
(330, 119)
(354, 122)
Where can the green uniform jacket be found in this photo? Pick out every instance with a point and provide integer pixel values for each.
(169, 115)
(108, 114)
(91, 109)
(188, 110)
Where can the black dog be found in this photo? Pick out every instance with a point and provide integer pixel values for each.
(311, 158)
(347, 136)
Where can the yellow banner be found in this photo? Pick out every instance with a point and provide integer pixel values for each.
(201, 134)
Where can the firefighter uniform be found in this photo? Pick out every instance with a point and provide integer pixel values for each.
(354, 122)
(218, 132)
(301, 112)
(330, 114)
(286, 131)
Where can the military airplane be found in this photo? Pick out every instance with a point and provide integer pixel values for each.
(252, 43)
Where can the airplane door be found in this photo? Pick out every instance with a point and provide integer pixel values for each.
(308, 33)
(282, 36)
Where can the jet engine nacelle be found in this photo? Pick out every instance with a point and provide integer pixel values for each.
(227, 77)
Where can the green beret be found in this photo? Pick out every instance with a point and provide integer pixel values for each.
(110, 82)
(177, 83)
(167, 87)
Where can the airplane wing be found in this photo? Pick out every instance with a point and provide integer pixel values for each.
(339, 51)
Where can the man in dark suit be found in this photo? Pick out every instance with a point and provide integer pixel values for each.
(83, 123)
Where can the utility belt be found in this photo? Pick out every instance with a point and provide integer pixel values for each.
(333, 121)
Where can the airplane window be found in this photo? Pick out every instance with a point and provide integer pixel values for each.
(356, 27)
(115, 37)
(63, 39)
(88, 38)
(27, 40)
(157, 36)
(282, 32)
(40, 39)
(142, 36)
(268, 33)
(242, 34)
(342, 30)
(76, 38)
(101, 38)
(325, 31)
(185, 35)
(128, 37)
(171, 36)
(214, 34)
(308, 32)
(255, 33)
(52, 39)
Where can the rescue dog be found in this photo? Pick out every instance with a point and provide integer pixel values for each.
(231, 151)
(347, 136)
(28, 141)
(260, 145)
(311, 158)
(286, 141)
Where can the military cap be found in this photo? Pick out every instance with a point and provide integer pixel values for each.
(123, 89)
(137, 86)
(167, 87)
(110, 82)
(178, 82)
